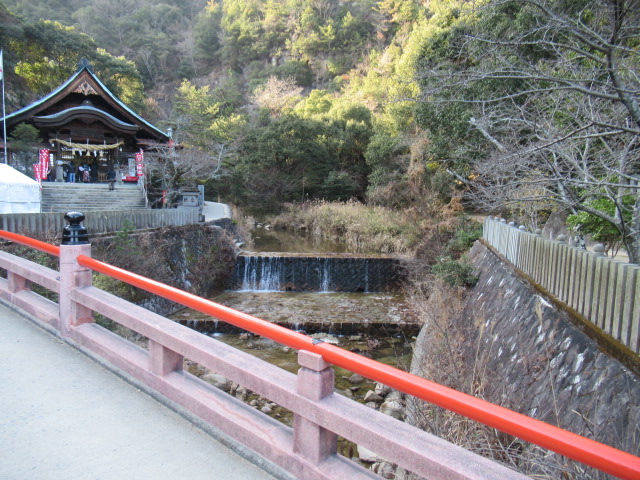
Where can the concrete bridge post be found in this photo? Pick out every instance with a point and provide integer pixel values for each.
(75, 241)
(162, 360)
(17, 283)
(315, 381)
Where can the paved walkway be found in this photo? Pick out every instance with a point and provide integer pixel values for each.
(63, 416)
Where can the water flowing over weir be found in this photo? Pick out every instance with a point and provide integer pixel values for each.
(302, 273)
(342, 294)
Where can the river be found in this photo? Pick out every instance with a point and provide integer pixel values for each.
(374, 324)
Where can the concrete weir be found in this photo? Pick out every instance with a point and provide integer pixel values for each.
(298, 273)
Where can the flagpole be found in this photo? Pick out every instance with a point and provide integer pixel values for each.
(4, 115)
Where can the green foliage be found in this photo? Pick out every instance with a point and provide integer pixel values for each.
(599, 229)
(45, 53)
(442, 183)
(381, 156)
(452, 268)
(463, 238)
(206, 31)
(339, 186)
(294, 157)
(24, 138)
(343, 137)
(202, 118)
(282, 160)
(23, 141)
(300, 71)
(124, 242)
(455, 273)
(317, 103)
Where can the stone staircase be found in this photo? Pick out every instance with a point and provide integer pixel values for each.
(85, 197)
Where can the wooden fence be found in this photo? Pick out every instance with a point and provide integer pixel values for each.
(605, 291)
(37, 224)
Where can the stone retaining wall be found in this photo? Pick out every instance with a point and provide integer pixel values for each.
(536, 361)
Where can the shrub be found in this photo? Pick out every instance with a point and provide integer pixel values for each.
(463, 239)
(455, 273)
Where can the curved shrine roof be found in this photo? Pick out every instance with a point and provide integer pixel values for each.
(85, 112)
(85, 82)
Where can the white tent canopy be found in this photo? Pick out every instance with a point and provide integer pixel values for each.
(18, 193)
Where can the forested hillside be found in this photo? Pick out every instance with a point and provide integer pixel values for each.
(519, 107)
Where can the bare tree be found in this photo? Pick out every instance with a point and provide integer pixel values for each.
(277, 94)
(555, 97)
(172, 167)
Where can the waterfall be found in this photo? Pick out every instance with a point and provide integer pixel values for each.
(366, 275)
(315, 274)
(325, 284)
(262, 273)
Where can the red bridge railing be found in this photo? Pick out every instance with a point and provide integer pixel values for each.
(584, 450)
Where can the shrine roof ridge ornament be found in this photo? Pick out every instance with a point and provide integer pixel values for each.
(85, 64)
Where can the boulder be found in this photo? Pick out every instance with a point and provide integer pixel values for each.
(218, 381)
(242, 393)
(372, 396)
(393, 408)
(384, 469)
(396, 395)
(382, 390)
(367, 456)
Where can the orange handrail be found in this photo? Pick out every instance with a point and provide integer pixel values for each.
(31, 242)
(589, 452)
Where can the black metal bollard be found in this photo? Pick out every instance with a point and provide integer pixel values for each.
(75, 233)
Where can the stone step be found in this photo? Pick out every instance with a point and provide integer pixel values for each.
(61, 197)
(111, 198)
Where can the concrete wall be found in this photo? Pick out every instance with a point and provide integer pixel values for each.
(604, 291)
(38, 224)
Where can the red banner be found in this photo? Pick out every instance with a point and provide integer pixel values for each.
(36, 171)
(140, 164)
(44, 164)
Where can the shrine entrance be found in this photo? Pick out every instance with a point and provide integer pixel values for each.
(86, 132)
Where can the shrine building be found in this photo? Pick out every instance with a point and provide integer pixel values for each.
(81, 123)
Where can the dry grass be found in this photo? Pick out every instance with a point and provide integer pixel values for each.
(362, 227)
(452, 353)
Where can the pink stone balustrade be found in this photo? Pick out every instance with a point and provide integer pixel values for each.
(308, 450)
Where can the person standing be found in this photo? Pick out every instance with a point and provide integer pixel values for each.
(111, 178)
(94, 172)
(71, 173)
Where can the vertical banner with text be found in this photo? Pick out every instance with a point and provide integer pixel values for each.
(36, 172)
(140, 164)
(44, 164)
